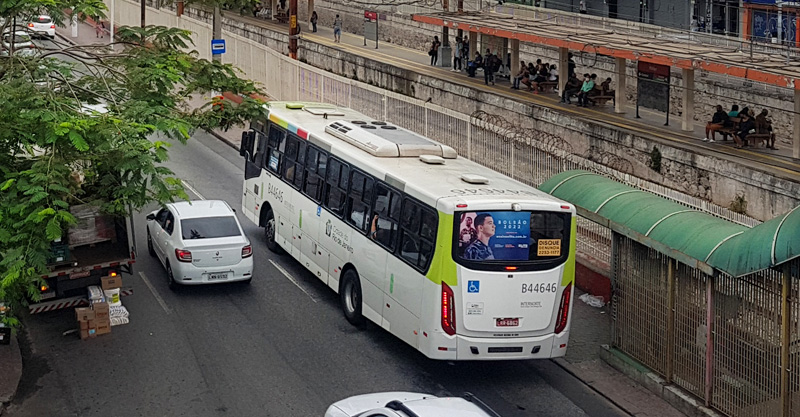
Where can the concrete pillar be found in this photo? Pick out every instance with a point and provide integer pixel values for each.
(688, 100)
(310, 10)
(514, 58)
(620, 95)
(473, 45)
(273, 5)
(563, 68)
(796, 124)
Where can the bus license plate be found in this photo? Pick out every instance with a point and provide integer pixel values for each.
(507, 322)
(212, 277)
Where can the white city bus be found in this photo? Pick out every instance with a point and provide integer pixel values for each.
(457, 260)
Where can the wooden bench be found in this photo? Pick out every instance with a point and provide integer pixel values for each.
(282, 17)
(602, 99)
(548, 86)
(767, 138)
(732, 129)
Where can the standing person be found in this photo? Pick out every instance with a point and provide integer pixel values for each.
(489, 66)
(583, 95)
(434, 51)
(314, 19)
(337, 29)
(522, 73)
(582, 7)
(457, 55)
(479, 249)
(99, 28)
(570, 66)
(718, 121)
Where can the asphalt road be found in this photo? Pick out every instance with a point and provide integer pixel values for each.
(277, 347)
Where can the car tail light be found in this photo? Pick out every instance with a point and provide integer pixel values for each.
(563, 309)
(448, 311)
(30, 25)
(247, 251)
(183, 255)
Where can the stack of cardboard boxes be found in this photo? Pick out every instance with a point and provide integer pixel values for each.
(95, 320)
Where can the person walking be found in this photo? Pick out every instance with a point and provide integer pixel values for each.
(314, 19)
(434, 51)
(582, 7)
(337, 29)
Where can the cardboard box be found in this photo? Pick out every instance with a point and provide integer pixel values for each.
(109, 283)
(103, 326)
(88, 333)
(84, 314)
(100, 310)
(83, 325)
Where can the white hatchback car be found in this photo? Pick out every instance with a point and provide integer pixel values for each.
(409, 404)
(23, 45)
(42, 25)
(200, 242)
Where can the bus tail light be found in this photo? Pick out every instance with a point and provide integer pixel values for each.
(183, 255)
(247, 251)
(448, 311)
(563, 309)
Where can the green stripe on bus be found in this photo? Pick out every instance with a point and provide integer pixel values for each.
(443, 267)
(569, 268)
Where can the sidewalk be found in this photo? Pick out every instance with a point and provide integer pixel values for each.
(591, 327)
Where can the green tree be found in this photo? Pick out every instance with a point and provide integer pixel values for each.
(56, 151)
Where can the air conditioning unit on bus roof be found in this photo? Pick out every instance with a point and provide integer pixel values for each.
(385, 140)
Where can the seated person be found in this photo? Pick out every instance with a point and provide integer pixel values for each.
(519, 75)
(553, 74)
(473, 65)
(718, 121)
(747, 125)
(572, 88)
(734, 111)
(764, 126)
(540, 77)
(605, 88)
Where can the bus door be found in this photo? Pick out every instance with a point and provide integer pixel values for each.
(511, 268)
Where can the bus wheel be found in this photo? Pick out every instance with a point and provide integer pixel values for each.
(351, 298)
(269, 233)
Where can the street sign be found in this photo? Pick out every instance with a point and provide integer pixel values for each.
(217, 46)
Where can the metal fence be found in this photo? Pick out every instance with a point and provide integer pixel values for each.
(718, 337)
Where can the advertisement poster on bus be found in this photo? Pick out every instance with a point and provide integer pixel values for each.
(494, 235)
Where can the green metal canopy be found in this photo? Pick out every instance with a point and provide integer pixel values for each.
(729, 247)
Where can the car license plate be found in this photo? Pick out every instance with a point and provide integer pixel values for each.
(214, 277)
(507, 322)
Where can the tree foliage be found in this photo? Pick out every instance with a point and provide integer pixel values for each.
(57, 149)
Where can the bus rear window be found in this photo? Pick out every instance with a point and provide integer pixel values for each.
(511, 237)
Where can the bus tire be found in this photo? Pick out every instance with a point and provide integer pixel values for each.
(351, 298)
(269, 233)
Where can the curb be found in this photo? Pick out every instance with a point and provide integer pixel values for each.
(675, 396)
(224, 140)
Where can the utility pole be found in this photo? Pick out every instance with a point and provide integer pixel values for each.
(143, 9)
(293, 29)
(216, 28)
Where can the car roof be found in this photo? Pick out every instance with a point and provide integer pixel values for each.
(201, 208)
(445, 407)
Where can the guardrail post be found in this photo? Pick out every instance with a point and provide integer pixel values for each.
(670, 319)
(786, 400)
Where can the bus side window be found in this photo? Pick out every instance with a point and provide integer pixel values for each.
(383, 228)
(418, 234)
(313, 180)
(290, 166)
(336, 186)
(357, 202)
(276, 146)
(261, 149)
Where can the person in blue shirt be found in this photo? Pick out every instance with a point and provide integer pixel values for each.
(479, 249)
(734, 111)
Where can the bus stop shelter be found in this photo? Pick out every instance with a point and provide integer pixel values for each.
(567, 34)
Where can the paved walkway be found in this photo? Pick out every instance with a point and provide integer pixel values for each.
(591, 327)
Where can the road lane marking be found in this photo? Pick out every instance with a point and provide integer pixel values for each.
(193, 190)
(155, 293)
(291, 278)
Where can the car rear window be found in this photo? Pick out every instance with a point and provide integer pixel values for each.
(43, 19)
(209, 227)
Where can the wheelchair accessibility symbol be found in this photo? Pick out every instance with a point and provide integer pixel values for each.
(473, 286)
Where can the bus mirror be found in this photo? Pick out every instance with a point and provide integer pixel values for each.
(243, 144)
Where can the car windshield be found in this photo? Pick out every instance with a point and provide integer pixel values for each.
(209, 227)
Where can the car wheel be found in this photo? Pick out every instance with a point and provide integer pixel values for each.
(350, 296)
(150, 249)
(269, 233)
(173, 285)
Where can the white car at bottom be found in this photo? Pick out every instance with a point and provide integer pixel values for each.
(409, 404)
(200, 242)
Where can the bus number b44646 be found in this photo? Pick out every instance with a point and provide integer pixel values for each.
(539, 288)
